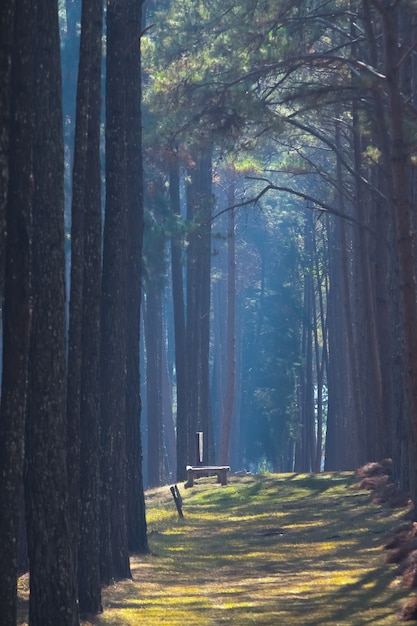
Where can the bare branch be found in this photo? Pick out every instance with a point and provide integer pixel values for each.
(319, 205)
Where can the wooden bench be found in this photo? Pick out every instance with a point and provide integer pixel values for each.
(196, 471)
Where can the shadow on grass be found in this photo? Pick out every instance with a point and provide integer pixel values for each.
(276, 549)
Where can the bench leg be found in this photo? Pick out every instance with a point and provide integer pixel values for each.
(190, 478)
(222, 477)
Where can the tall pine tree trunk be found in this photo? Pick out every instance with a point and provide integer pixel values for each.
(199, 206)
(87, 192)
(230, 368)
(401, 169)
(16, 322)
(114, 543)
(153, 336)
(136, 518)
(7, 12)
(179, 326)
(53, 589)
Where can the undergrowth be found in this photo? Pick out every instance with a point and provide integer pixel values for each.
(265, 550)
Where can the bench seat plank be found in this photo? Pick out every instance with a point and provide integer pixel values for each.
(195, 471)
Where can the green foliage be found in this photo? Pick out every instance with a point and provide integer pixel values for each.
(265, 82)
(204, 64)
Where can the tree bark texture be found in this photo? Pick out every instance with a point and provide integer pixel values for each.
(390, 314)
(136, 518)
(16, 323)
(77, 269)
(85, 311)
(7, 11)
(401, 169)
(114, 542)
(51, 551)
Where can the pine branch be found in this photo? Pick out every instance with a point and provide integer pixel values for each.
(318, 205)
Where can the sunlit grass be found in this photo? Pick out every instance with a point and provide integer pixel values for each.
(264, 550)
(287, 549)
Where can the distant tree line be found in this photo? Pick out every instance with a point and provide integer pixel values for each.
(304, 114)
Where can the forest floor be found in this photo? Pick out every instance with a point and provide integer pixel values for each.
(273, 549)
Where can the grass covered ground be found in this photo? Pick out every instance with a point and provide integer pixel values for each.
(264, 550)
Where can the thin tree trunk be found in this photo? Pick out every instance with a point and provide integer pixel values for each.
(228, 402)
(167, 417)
(16, 324)
(321, 355)
(153, 334)
(199, 204)
(183, 444)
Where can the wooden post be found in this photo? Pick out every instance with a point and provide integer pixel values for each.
(177, 499)
(199, 448)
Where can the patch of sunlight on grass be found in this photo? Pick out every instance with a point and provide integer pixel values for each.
(290, 550)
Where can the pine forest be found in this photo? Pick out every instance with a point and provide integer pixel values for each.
(208, 256)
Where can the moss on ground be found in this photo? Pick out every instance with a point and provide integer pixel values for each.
(265, 550)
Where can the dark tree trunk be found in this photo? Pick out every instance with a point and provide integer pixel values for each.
(16, 323)
(153, 335)
(179, 327)
(192, 320)
(114, 543)
(199, 206)
(230, 366)
(77, 270)
(168, 426)
(306, 448)
(6, 37)
(205, 211)
(136, 519)
(320, 353)
(53, 589)
(338, 376)
(87, 273)
(403, 209)
(390, 326)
